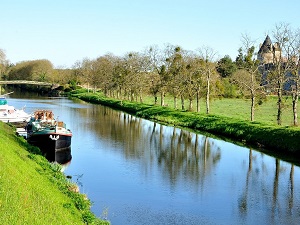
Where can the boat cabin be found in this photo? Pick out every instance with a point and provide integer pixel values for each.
(43, 115)
(46, 117)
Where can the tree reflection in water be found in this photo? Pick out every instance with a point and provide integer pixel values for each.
(179, 153)
(183, 156)
(257, 190)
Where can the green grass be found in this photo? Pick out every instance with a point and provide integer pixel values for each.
(34, 191)
(240, 108)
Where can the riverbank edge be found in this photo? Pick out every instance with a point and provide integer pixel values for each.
(76, 201)
(283, 140)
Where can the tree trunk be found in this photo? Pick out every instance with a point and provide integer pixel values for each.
(191, 105)
(155, 99)
(175, 102)
(207, 94)
(198, 101)
(130, 96)
(119, 92)
(295, 103)
(182, 102)
(141, 98)
(279, 104)
(162, 100)
(252, 106)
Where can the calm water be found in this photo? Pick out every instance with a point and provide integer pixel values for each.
(139, 172)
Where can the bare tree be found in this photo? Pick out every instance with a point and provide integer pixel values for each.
(77, 72)
(104, 67)
(160, 62)
(176, 85)
(118, 76)
(294, 78)
(248, 75)
(91, 73)
(281, 64)
(209, 70)
(153, 85)
(193, 79)
(136, 71)
(156, 62)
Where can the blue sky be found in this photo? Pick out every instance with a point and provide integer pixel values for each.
(65, 31)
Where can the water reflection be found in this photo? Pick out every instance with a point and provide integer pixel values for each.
(62, 156)
(264, 193)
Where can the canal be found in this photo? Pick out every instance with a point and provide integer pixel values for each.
(139, 172)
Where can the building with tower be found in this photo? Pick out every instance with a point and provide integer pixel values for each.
(269, 53)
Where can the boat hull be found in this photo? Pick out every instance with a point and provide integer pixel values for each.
(14, 119)
(49, 142)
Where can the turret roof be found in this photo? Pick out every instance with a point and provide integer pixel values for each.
(266, 46)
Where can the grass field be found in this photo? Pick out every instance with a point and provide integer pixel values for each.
(34, 191)
(240, 108)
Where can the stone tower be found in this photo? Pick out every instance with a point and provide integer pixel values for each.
(268, 53)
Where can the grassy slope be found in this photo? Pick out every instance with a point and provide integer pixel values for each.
(283, 139)
(33, 191)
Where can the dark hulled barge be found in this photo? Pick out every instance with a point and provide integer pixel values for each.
(47, 133)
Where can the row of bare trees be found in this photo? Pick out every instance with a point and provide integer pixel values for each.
(185, 75)
(285, 69)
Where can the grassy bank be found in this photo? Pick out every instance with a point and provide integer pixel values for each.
(282, 139)
(34, 191)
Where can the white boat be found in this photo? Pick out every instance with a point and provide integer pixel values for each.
(9, 114)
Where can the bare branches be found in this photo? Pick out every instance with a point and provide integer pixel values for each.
(248, 77)
(284, 73)
(207, 53)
